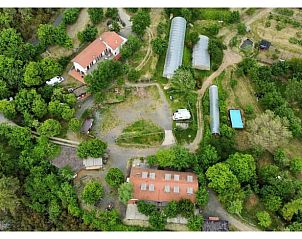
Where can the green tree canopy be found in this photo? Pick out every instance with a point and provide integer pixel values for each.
(92, 192)
(50, 128)
(145, 207)
(96, 15)
(157, 220)
(243, 166)
(91, 148)
(296, 165)
(71, 15)
(195, 223)
(8, 109)
(88, 34)
(221, 179)
(114, 177)
(74, 125)
(264, 219)
(159, 45)
(125, 192)
(202, 197)
(131, 46)
(140, 21)
(183, 81)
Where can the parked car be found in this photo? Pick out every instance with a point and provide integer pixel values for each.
(55, 80)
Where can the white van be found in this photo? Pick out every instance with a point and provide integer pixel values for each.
(55, 80)
(181, 114)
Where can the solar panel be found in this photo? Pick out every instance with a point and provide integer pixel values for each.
(167, 176)
(189, 190)
(152, 175)
(144, 174)
(151, 187)
(190, 178)
(143, 187)
(176, 189)
(167, 188)
(176, 177)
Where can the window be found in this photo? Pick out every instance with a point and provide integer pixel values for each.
(167, 176)
(176, 189)
(152, 175)
(189, 190)
(144, 174)
(143, 187)
(176, 177)
(167, 188)
(151, 187)
(190, 178)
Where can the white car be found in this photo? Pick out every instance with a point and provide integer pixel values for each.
(181, 114)
(55, 80)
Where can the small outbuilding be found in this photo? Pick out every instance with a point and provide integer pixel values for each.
(93, 163)
(201, 56)
(264, 44)
(86, 126)
(181, 114)
(215, 225)
(236, 119)
(247, 44)
(214, 109)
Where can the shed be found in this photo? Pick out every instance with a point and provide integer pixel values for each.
(86, 126)
(201, 56)
(214, 109)
(80, 92)
(246, 44)
(176, 46)
(236, 119)
(93, 163)
(264, 44)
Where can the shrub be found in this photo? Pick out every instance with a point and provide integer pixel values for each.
(125, 192)
(171, 210)
(296, 165)
(195, 223)
(264, 219)
(91, 148)
(186, 208)
(114, 177)
(71, 15)
(145, 208)
(92, 192)
(157, 220)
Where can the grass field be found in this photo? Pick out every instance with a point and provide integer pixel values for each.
(141, 133)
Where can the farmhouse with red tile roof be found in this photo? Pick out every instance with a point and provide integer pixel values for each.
(162, 186)
(107, 46)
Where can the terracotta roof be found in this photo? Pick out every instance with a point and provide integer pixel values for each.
(112, 39)
(162, 185)
(77, 75)
(85, 57)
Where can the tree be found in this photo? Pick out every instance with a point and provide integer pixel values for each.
(280, 158)
(243, 166)
(50, 128)
(293, 91)
(50, 68)
(296, 165)
(133, 75)
(92, 192)
(215, 49)
(88, 34)
(183, 82)
(131, 46)
(185, 207)
(221, 179)
(114, 177)
(94, 148)
(241, 28)
(208, 156)
(235, 207)
(125, 192)
(202, 197)
(264, 219)
(195, 223)
(171, 210)
(96, 15)
(32, 74)
(140, 21)
(112, 13)
(115, 26)
(157, 220)
(9, 201)
(296, 226)
(4, 91)
(192, 38)
(74, 125)
(8, 109)
(71, 15)
(291, 208)
(159, 45)
(272, 202)
(102, 77)
(269, 131)
(145, 208)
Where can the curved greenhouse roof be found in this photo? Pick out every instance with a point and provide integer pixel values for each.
(214, 109)
(175, 47)
(201, 56)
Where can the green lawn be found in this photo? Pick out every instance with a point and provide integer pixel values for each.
(141, 133)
